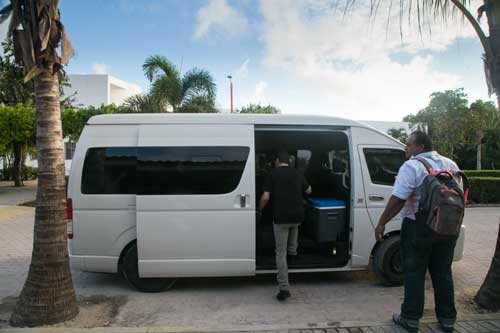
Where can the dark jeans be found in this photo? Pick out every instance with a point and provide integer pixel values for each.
(421, 249)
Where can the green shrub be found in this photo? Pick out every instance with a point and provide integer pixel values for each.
(482, 173)
(28, 173)
(484, 190)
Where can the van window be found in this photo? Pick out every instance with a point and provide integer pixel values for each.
(163, 170)
(383, 164)
(190, 170)
(109, 171)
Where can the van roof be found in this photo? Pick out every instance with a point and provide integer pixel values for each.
(204, 118)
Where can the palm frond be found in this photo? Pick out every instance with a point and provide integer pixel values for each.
(198, 82)
(143, 103)
(37, 32)
(154, 65)
(167, 90)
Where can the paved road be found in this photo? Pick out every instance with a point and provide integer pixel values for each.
(11, 195)
(318, 299)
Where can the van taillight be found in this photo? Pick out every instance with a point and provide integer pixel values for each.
(69, 217)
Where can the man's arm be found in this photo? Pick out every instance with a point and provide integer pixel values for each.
(264, 199)
(393, 207)
(308, 190)
(305, 186)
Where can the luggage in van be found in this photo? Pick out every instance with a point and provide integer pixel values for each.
(326, 219)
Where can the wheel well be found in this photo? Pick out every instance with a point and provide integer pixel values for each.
(125, 249)
(389, 234)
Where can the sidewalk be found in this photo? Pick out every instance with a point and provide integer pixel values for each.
(13, 196)
(473, 324)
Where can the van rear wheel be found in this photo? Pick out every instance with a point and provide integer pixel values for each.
(387, 261)
(130, 271)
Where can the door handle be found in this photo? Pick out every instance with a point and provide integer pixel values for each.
(243, 200)
(376, 198)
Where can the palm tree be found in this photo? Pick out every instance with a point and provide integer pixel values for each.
(37, 32)
(143, 103)
(169, 88)
(489, 293)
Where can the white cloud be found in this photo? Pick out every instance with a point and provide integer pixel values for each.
(242, 71)
(100, 68)
(348, 62)
(218, 16)
(259, 95)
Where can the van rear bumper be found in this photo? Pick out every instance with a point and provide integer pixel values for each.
(102, 264)
(459, 248)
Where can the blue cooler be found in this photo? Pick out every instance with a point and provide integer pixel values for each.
(326, 220)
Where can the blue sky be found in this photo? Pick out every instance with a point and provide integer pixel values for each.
(300, 56)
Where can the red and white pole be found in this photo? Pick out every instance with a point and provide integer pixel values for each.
(231, 90)
(232, 97)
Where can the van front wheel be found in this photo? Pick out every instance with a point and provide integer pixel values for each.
(130, 271)
(387, 261)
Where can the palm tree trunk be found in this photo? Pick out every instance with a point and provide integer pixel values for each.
(488, 295)
(48, 296)
(493, 15)
(16, 168)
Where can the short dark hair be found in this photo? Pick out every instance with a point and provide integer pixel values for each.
(422, 138)
(283, 156)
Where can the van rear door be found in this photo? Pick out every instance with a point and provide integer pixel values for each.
(196, 200)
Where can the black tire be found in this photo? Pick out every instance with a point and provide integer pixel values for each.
(387, 261)
(130, 270)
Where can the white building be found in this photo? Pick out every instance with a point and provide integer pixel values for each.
(94, 90)
(99, 89)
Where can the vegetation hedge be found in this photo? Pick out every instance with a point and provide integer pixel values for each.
(482, 173)
(28, 173)
(484, 190)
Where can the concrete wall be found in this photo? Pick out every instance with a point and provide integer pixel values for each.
(91, 90)
(120, 90)
(98, 89)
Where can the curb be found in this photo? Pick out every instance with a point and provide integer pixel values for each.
(482, 205)
(247, 328)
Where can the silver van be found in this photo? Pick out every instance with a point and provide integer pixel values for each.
(163, 196)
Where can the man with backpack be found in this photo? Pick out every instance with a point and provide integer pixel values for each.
(431, 201)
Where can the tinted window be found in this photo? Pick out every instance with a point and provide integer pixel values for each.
(383, 164)
(190, 170)
(109, 170)
(163, 170)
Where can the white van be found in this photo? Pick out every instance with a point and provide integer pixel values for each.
(162, 196)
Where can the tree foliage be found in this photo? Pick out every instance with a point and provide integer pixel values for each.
(168, 88)
(257, 108)
(198, 104)
(17, 124)
(143, 103)
(74, 120)
(13, 89)
(398, 134)
(17, 136)
(457, 128)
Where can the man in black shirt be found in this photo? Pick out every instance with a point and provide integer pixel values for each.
(287, 186)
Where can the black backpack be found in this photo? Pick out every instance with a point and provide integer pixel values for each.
(442, 201)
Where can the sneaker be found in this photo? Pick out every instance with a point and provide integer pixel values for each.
(400, 321)
(447, 327)
(283, 295)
